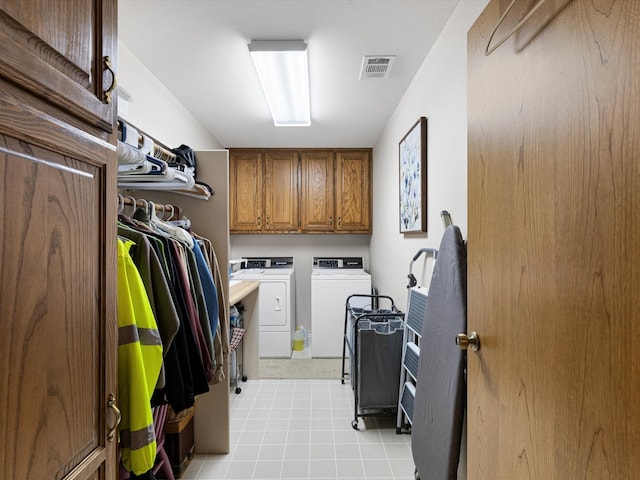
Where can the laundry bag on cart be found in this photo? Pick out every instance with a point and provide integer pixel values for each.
(379, 357)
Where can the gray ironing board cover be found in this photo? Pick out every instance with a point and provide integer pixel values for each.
(440, 390)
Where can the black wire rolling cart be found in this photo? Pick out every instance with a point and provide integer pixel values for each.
(373, 343)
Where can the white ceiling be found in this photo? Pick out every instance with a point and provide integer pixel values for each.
(198, 50)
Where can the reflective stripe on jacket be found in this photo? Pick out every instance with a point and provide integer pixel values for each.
(139, 362)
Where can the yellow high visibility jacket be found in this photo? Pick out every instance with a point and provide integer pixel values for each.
(139, 362)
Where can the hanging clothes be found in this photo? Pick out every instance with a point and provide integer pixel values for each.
(139, 361)
(180, 256)
(221, 340)
(203, 306)
(153, 277)
(208, 286)
(199, 282)
(193, 360)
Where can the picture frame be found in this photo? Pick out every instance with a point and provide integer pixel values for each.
(413, 178)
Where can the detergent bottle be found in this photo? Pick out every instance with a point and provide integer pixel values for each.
(298, 340)
(305, 336)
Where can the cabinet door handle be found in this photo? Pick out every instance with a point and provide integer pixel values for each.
(267, 221)
(259, 221)
(109, 91)
(112, 405)
(339, 221)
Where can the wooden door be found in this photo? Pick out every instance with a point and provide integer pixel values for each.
(353, 191)
(245, 191)
(281, 190)
(58, 329)
(553, 257)
(316, 191)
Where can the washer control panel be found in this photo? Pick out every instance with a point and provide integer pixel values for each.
(338, 263)
(266, 262)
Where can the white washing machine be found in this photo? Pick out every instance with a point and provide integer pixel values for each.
(276, 302)
(332, 281)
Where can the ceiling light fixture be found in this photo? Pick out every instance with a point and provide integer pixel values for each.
(284, 75)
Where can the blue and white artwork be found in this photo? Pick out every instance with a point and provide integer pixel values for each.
(411, 179)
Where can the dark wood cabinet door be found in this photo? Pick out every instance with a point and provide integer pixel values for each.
(58, 328)
(57, 313)
(57, 50)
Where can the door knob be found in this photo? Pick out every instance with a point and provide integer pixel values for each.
(464, 341)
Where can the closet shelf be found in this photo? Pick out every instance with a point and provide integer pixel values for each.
(146, 164)
(195, 191)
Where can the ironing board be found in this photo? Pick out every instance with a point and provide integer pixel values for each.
(440, 390)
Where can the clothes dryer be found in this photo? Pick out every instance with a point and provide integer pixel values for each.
(276, 302)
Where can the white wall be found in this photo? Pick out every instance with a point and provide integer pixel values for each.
(438, 92)
(157, 111)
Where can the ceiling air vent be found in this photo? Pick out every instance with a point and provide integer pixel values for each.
(376, 66)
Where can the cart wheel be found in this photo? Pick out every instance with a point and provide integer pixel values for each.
(398, 430)
(354, 424)
(238, 390)
(244, 378)
(416, 475)
(342, 381)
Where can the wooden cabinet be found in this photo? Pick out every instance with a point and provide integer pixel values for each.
(58, 333)
(331, 194)
(353, 191)
(280, 191)
(316, 195)
(263, 195)
(245, 192)
(58, 51)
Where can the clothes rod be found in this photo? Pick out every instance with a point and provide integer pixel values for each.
(160, 151)
(148, 206)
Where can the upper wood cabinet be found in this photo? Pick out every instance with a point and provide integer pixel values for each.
(353, 191)
(62, 52)
(58, 271)
(330, 194)
(245, 191)
(263, 191)
(280, 191)
(316, 191)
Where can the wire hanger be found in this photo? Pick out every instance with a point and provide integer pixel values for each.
(133, 202)
(168, 209)
(177, 232)
(490, 49)
(120, 204)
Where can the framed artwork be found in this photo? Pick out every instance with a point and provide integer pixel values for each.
(413, 178)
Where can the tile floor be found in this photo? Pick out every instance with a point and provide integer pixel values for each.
(301, 429)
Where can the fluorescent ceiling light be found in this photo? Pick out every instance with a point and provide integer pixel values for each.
(284, 75)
